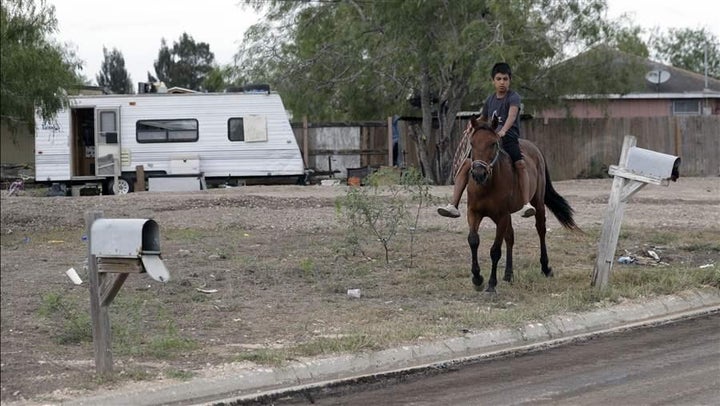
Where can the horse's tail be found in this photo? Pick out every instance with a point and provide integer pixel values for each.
(558, 205)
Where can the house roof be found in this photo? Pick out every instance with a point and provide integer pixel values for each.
(680, 81)
(604, 60)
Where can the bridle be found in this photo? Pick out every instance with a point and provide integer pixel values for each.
(488, 166)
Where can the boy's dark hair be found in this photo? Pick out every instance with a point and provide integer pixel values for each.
(501, 67)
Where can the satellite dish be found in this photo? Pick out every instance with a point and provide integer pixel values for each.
(657, 76)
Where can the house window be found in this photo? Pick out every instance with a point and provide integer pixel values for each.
(236, 131)
(183, 130)
(686, 107)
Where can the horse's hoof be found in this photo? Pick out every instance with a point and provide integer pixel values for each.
(490, 290)
(549, 273)
(477, 280)
(508, 278)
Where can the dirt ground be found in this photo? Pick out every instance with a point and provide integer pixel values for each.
(271, 257)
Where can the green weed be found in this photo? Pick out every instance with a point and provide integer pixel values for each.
(75, 325)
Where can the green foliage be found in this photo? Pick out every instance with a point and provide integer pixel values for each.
(419, 190)
(270, 357)
(363, 60)
(685, 48)
(75, 325)
(34, 71)
(380, 210)
(169, 345)
(180, 374)
(131, 333)
(217, 79)
(186, 65)
(113, 74)
(307, 266)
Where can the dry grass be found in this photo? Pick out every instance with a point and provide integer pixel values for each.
(282, 291)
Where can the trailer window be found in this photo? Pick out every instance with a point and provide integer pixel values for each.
(236, 131)
(184, 130)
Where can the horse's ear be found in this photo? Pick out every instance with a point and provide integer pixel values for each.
(472, 122)
(494, 121)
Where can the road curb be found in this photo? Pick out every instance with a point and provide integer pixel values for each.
(251, 384)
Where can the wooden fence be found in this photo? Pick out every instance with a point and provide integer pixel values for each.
(576, 148)
(573, 148)
(332, 148)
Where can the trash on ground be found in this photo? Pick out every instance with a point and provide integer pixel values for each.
(652, 254)
(73, 275)
(626, 260)
(206, 290)
(707, 266)
(354, 293)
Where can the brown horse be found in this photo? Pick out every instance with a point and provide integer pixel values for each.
(493, 191)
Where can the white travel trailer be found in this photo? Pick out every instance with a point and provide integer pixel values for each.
(103, 139)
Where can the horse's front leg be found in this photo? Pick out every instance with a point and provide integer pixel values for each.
(496, 250)
(474, 242)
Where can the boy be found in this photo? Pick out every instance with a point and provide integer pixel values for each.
(505, 105)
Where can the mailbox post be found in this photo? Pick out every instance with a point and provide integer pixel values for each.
(117, 248)
(637, 168)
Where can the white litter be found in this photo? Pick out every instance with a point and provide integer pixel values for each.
(73, 275)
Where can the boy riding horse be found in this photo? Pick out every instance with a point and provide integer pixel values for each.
(504, 105)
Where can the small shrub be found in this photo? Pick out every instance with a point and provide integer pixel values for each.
(75, 324)
(380, 211)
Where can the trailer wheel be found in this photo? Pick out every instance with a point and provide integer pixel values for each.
(123, 187)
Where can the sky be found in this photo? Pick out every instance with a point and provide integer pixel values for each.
(136, 27)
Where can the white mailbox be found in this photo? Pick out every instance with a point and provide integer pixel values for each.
(128, 246)
(653, 164)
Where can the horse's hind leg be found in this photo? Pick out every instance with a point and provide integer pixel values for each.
(509, 242)
(541, 230)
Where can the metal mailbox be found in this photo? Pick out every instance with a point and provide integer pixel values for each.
(653, 164)
(128, 246)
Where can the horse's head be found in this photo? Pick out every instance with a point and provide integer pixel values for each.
(485, 149)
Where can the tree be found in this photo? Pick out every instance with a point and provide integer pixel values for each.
(34, 71)
(361, 60)
(113, 74)
(686, 48)
(186, 64)
(218, 78)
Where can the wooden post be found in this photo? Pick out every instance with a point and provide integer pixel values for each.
(306, 153)
(678, 138)
(98, 311)
(613, 219)
(390, 141)
(139, 178)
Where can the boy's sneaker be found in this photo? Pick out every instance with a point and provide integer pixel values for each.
(527, 211)
(449, 211)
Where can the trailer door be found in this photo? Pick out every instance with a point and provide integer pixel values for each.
(107, 142)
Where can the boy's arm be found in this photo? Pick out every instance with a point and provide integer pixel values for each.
(512, 115)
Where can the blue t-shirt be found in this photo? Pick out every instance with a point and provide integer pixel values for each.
(501, 108)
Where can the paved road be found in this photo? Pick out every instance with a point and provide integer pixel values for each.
(675, 364)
